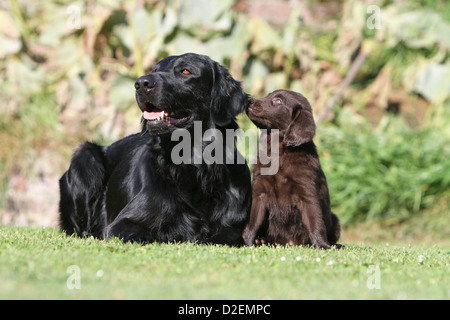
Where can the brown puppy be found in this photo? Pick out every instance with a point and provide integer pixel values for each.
(291, 207)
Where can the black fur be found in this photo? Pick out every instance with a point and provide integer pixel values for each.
(133, 190)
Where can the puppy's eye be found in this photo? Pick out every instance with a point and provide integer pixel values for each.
(276, 101)
(185, 72)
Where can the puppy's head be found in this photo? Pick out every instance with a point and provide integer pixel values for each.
(287, 111)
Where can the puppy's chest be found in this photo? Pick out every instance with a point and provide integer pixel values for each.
(280, 187)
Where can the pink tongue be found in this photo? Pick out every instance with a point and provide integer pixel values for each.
(154, 115)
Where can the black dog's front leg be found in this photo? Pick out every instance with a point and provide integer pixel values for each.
(130, 224)
(228, 236)
(128, 231)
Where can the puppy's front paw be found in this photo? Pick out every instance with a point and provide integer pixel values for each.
(259, 241)
(248, 237)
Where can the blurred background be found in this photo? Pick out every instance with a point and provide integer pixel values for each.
(377, 74)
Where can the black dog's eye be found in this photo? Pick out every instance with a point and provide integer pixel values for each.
(185, 72)
(277, 101)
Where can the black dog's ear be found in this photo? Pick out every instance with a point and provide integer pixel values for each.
(302, 128)
(227, 97)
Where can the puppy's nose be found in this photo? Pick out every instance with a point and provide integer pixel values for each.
(250, 103)
(145, 84)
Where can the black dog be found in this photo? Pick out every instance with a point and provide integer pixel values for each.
(133, 189)
(292, 206)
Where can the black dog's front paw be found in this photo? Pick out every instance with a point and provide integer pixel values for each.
(128, 231)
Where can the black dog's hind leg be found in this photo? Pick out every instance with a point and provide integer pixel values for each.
(82, 193)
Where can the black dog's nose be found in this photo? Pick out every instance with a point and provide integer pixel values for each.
(145, 83)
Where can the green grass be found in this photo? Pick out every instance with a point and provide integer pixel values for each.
(34, 264)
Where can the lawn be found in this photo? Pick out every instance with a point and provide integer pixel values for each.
(45, 264)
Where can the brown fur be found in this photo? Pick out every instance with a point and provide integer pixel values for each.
(291, 207)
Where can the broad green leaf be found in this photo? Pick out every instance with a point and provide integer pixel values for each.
(433, 81)
(121, 93)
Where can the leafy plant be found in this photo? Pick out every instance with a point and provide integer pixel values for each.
(389, 172)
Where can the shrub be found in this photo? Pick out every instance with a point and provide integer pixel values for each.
(387, 172)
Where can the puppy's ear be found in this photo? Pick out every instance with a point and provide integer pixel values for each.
(227, 97)
(302, 128)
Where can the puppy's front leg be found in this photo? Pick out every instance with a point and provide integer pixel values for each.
(312, 218)
(257, 216)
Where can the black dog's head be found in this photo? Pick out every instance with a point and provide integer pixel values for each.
(287, 111)
(187, 88)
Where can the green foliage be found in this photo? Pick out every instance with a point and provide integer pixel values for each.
(385, 173)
